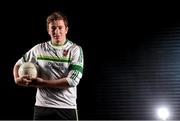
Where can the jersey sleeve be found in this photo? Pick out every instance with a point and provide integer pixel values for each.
(28, 56)
(76, 67)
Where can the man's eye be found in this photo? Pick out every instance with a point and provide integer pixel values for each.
(60, 27)
(53, 28)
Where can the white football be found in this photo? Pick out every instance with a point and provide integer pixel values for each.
(28, 68)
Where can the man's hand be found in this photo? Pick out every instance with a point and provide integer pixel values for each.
(29, 82)
(23, 81)
(36, 82)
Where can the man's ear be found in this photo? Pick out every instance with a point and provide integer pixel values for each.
(48, 31)
(67, 28)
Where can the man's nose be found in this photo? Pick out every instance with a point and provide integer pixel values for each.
(57, 30)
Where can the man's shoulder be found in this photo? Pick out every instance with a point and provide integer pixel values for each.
(41, 45)
(73, 44)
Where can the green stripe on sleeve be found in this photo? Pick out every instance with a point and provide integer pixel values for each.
(76, 67)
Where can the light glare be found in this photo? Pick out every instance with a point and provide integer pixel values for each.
(163, 113)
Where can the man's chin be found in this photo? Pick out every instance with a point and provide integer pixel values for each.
(57, 41)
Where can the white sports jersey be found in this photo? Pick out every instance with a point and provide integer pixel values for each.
(56, 62)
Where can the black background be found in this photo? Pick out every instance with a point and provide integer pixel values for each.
(131, 52)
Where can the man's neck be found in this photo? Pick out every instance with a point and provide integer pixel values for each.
(59, 43)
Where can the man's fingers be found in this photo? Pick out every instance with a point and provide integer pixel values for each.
(27, 80)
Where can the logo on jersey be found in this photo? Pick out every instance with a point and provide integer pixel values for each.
(65, 52)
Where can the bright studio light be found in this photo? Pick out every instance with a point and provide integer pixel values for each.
(163, 113)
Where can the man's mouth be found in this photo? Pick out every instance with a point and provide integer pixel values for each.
(56, 37)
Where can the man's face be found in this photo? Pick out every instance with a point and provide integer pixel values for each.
(57, 30)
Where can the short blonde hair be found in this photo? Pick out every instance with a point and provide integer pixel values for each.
(57, 16)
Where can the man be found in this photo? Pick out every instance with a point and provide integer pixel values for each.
(60, 63)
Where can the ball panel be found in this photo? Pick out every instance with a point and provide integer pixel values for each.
(28, 68)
